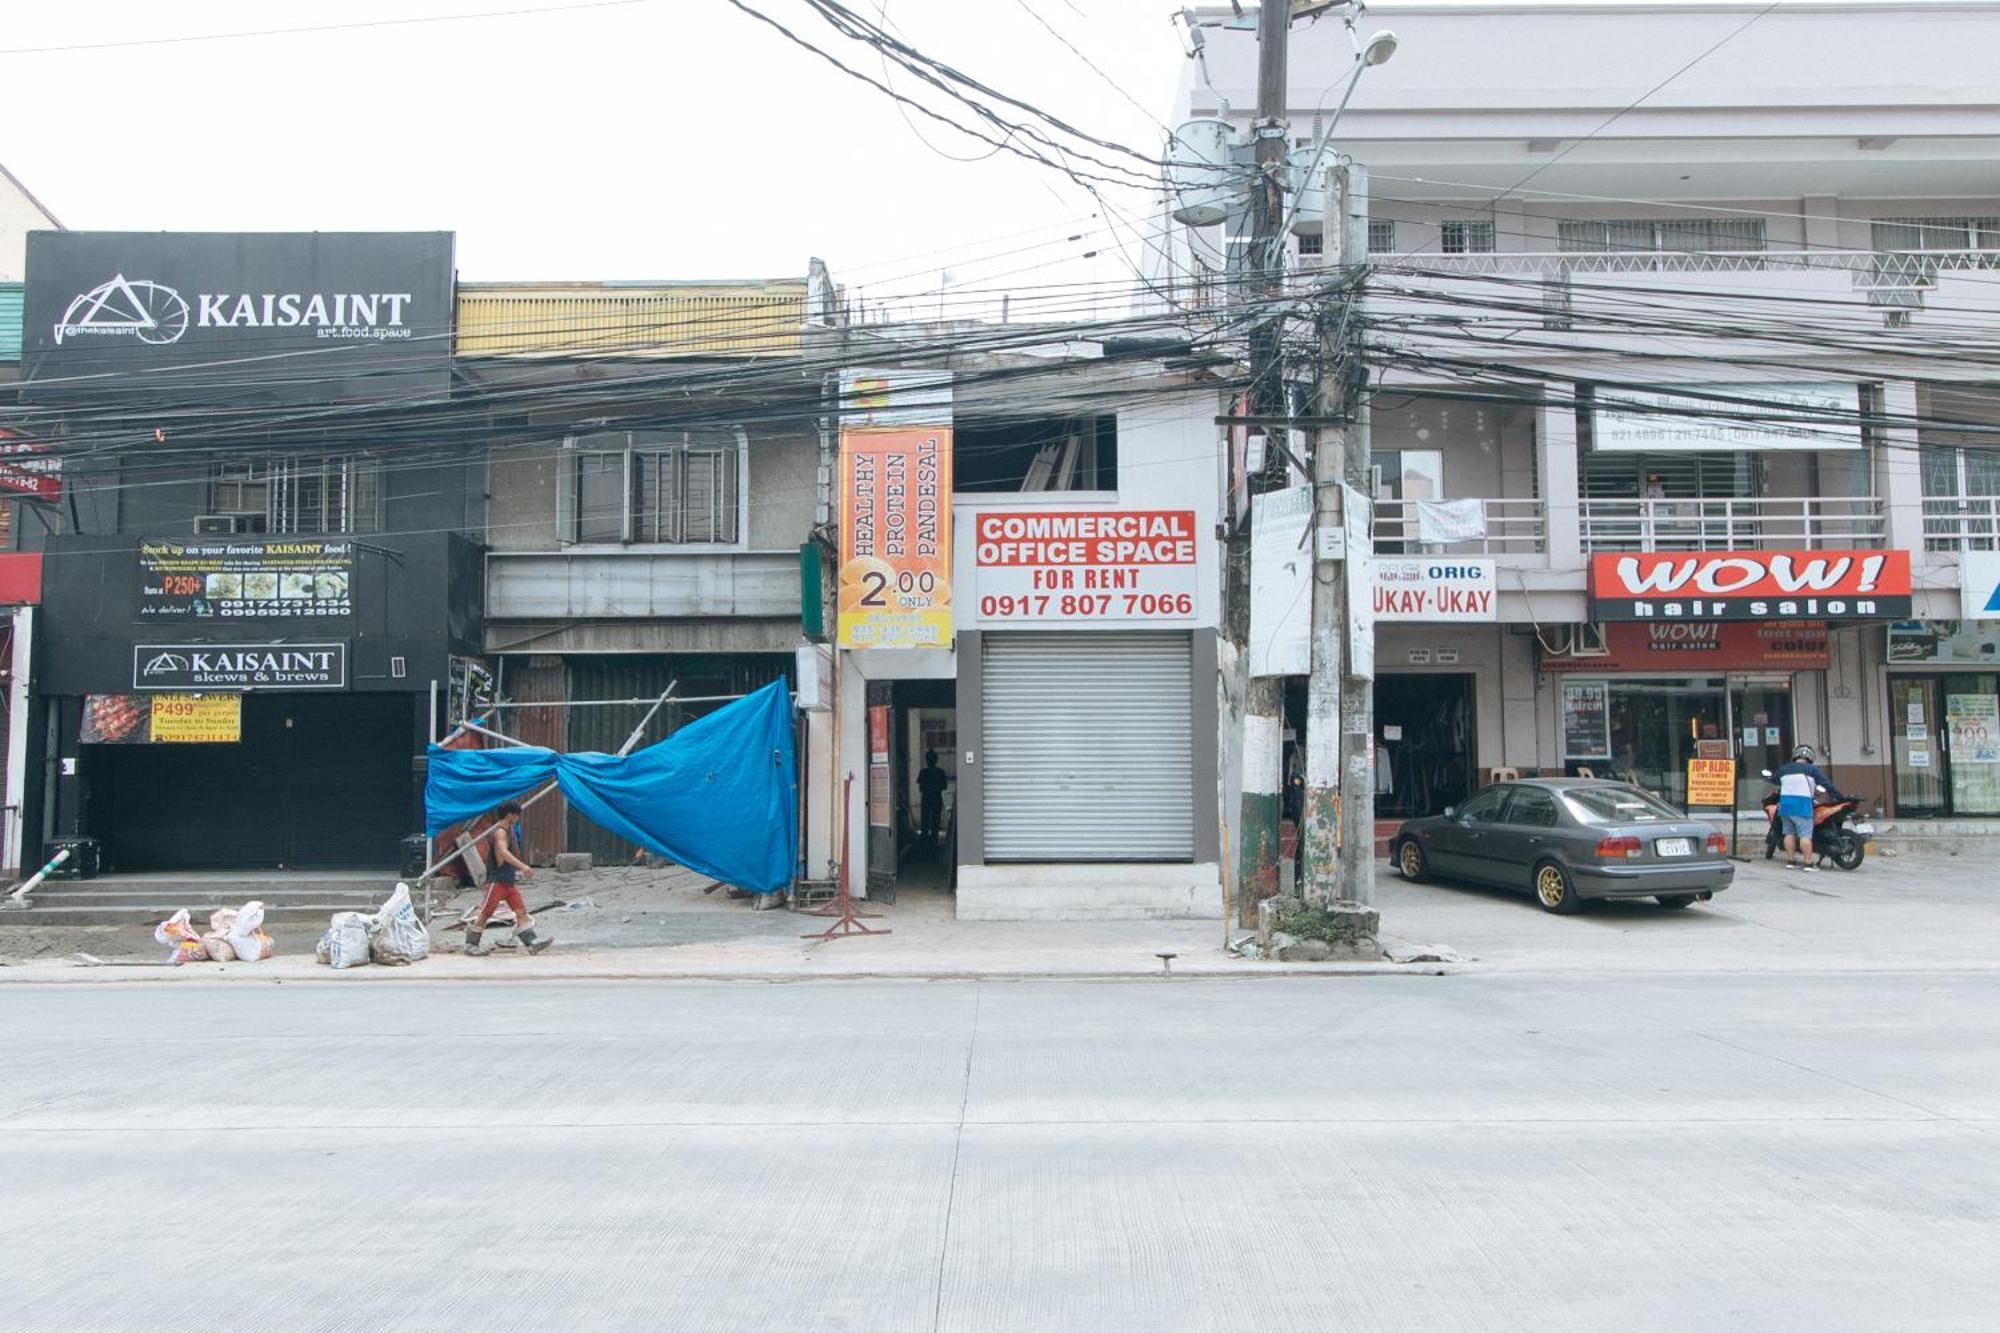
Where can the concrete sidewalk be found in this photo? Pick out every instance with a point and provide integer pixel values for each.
(1906, 913)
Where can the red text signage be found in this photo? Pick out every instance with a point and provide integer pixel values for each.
(1751, 585)
(1695, 647)
(1101, 566)
(28, 468)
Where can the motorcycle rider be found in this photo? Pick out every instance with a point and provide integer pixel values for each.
(1797, 781)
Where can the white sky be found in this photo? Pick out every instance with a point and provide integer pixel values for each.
(661, 139)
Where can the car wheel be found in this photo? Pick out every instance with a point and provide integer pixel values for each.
(1411, 861)
(1554, 890)
(1676, 901)
(1848, 852)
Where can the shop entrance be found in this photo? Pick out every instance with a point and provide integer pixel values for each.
(318, 782)
(912, 786)
(1945, 732)
(1656, 726)
(1424, 729)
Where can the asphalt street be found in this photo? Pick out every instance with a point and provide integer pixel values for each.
(1479, 1151)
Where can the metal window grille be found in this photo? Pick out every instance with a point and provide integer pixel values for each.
(339, 493)
(666, 487)
(1463, 236)
(1661, 235)
(1312, 245)
(1381, 236)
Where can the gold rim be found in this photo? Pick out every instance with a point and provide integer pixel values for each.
(1412, 859)
(1549, 885)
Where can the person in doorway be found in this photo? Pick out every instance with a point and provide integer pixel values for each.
(504, 871)
(1797, 782)
(931, 782)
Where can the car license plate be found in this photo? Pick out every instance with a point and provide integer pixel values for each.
(1865, 830)
(1674, 846)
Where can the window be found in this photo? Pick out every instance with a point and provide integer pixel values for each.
(1036, 454)
(1533, 807)
(1616, 805)
(1312, 245)
(1381, 236)
(1463, 237)
(1662, 235)
(1937, 233)
(329, 494)
(666, 487)
(1484, 808)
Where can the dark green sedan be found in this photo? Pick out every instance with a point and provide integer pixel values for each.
(1568, 840)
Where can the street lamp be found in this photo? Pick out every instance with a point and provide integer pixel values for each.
(1380, 46)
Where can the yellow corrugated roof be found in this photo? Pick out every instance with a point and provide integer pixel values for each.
(636, 319)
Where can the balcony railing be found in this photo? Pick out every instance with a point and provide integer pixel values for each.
(1733, 525)
(1968, 523)
(1871, 268)
(1512, 527)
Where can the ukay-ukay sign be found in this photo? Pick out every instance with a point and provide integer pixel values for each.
(1438, 588)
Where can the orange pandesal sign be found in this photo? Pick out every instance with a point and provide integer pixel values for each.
(895, 537)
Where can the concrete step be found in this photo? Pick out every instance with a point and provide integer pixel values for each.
(153, 914)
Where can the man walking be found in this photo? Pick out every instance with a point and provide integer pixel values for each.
(1797, 781)
(504, 869)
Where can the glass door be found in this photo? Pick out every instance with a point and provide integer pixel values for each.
(1762, 717)
(1972, 742)
(1915, 746)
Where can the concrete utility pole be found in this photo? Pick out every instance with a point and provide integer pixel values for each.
(1263, 697)
(1339, 827)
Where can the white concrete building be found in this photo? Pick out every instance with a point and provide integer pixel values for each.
(1793, 214)
(20, 213)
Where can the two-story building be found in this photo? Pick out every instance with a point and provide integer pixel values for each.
(656, 461)
(260, 564)
(1674, 328)
(1066, 682)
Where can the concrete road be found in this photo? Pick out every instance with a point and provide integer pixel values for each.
(1479, 1152)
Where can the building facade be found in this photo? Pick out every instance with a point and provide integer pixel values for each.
(1676, 394)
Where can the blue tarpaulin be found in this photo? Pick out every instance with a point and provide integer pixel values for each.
(717, 796)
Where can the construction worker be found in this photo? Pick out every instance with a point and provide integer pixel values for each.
(504, 868)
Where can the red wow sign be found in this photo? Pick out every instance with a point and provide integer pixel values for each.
(1751, 585)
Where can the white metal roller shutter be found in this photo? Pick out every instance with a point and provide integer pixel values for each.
(1089, 747)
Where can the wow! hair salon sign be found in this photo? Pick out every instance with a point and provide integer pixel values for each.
(1751, 585)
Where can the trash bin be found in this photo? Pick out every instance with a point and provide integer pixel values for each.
(416, 855)
(86, 857)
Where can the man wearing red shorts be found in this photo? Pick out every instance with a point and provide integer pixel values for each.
(504, 869)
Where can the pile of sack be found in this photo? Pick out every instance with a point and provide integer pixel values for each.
(234, 933)
(391, 935)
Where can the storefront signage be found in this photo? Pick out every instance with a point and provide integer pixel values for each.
(1738, 417)
(1096, 566)
(286, 579)
(1436, 589)
(27, 467)
(230, 317)
(1586, 719)
(1702, 646)
(895, 537)
(1281, 561)
(162, 719)
(1751, 585)
(880, 789)
(1944, 642)
(1711, 782)
(239, 666)
(1979, 583)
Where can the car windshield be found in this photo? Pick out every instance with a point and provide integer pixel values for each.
(1616, 805)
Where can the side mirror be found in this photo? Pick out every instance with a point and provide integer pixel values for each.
(1451, 812)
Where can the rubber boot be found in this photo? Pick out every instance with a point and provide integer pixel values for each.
(473, 948)
(533, 941)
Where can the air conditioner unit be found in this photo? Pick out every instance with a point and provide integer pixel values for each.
(229, 523)
(1587, 640)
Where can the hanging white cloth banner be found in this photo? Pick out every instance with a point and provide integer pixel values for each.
(1441, 522)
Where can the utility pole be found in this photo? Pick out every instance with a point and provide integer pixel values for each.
(1339, 827)
(1263, 697)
